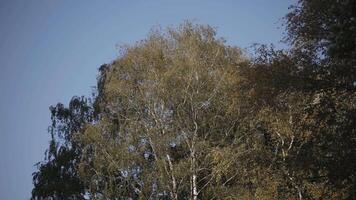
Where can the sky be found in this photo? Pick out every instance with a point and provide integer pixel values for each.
(50, 50)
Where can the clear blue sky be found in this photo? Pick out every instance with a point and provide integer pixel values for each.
(50, 50)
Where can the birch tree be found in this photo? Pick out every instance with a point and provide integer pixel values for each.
(171, 96)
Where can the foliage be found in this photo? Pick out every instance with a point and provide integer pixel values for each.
(183, 115)
(57, 176)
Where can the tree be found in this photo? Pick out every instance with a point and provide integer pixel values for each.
(307, 101)
(325, 30)
(57, 177)
(169, 100)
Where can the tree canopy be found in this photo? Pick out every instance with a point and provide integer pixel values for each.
(183, 115)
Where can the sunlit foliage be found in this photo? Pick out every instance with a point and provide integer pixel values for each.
(183, 115)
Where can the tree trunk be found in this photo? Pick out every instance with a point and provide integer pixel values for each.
(194, 177)
(174, 182)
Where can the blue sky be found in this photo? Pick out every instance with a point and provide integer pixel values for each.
(50, 50)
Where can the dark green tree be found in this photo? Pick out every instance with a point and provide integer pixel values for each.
(57, 176)
(325, 30)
